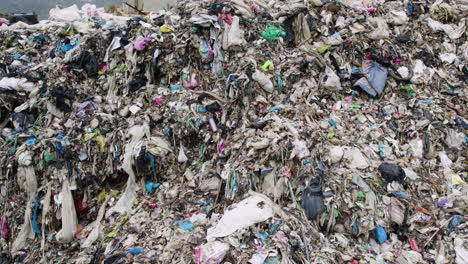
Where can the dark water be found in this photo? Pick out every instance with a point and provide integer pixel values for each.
(42, 7)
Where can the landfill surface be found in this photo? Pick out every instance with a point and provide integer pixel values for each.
(236, 131)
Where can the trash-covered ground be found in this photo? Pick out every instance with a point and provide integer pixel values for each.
(236, 132)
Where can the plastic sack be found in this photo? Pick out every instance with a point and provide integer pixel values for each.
(396, 211)
(67, 14)
(233, 35)
(301, 29)
(371, 198)
(336, 154)
(69, 218)
(45, 210)
(140, 44)
(259, 257)
(264, 81)
(26, 229)
(83, 27)
(421, 73)
(380, 235)
(211, 252)
(26, 175)
(454, 139)
(252, 210)
(361, 5)
(409, 257)
(242, 8)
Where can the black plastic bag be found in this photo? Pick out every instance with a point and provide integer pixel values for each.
(28, 18)
(312, 198)
(392, 172)
(63, 98)
(88, 63)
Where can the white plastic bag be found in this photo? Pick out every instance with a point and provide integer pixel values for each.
(300, 149)
(67, 14)
(336, 154)
(125, 203)
(421, 73)
(330, 80)
(460, 251)
(355, 159)
(381, 30)
(90, 10)
(17, 84)
(28, 183)
(233, 35)
(264, 81)
(96, 226)
(182, 157)
(453, 31)
(69, 218)
(397, 17)
(252, 210)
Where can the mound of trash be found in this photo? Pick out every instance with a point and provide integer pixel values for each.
(235, 131)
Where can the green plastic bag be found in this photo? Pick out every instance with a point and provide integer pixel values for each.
(49, 157)
(272, 33)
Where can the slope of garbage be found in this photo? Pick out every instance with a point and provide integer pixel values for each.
(236, 131)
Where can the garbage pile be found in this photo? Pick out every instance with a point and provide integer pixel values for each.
(236, 131)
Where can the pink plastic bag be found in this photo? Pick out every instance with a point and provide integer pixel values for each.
(140, 44)
(4, 229)
(190, 81)
(211, 252)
